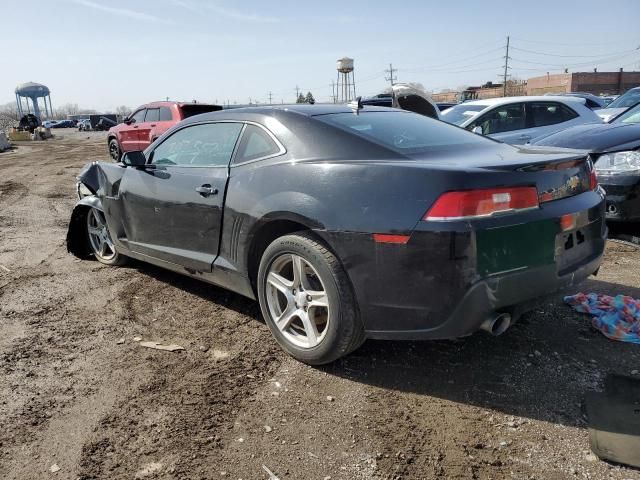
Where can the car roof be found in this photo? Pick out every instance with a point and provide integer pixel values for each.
(490, 102)
(168, 104)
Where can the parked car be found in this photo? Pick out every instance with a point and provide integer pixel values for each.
(591, 101)
(84, 125)
(148, 122)
(349, 224)
(49, 123)
(615, 149)
(620, 104)
(64, 124)
(518, 120)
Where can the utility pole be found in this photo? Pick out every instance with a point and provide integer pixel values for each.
(334, 94)
(506, 68)
(270, 98)
(297, 92)
(391, 78)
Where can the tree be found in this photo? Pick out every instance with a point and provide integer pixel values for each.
(309, 99)
(301, 99)
(123, 111)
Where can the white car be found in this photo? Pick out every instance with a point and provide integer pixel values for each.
(518, 120)
(630, 98)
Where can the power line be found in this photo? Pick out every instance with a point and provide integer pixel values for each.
(391, 78)
(574, 56)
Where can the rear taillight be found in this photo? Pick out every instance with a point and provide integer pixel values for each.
(482, 203)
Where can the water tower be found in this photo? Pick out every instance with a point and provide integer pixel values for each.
(33, 91)
(346, 89)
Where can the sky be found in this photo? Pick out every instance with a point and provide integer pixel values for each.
(101, 54)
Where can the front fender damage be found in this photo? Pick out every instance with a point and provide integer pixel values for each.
(77, 240)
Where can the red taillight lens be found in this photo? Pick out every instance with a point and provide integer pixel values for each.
(482, 203)
(593, 179)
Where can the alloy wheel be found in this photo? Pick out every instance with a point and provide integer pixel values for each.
(99, 238)
(297, 301)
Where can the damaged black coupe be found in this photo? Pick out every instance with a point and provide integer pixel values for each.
(348, 223)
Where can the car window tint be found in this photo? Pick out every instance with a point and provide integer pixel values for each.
(138, 117)
(165, 114)
(549, 113)
(153, 115)
(504, 118)
(404, 132)
(255, 143)
(209, 144)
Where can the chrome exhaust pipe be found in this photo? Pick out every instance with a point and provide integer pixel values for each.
(497, 325)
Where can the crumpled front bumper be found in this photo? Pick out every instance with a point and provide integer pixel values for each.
(623, 197)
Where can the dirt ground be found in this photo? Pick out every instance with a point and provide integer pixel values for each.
(77, 392)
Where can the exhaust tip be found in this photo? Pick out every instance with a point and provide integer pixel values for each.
(497, 325)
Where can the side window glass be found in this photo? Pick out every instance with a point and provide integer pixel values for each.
(549, 113)
(501, 119)
(209, 144)
(165, 114)
(255, 143)
(138, 117)
(153, 115)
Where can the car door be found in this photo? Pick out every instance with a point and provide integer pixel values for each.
(173, 206)
(150, 122)
(506, 123)
(129, 139)
(545, 118)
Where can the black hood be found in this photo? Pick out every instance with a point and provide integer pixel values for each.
(595, 137)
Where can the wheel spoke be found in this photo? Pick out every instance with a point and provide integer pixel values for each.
(299, 274)
(95, 230)
(279, 282)
(103, 247)
(284, 320)
(310, 329)
(96, 216)
(318, 298)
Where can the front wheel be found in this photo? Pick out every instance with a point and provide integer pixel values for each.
(114, 150)
(100, 241)
(307, 301)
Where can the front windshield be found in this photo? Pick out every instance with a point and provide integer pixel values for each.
(630, 116)
(461, 113)
(627, 100)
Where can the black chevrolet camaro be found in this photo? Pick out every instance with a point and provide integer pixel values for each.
(348, 223)
(615, 149)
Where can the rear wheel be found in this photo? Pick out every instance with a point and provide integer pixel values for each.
(307, 301)
(114, 150)
(100, 241)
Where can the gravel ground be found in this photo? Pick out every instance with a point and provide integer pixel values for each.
(79, 394)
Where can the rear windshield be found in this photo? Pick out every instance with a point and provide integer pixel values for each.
(197, 108)
(404, 132)
(461, 113)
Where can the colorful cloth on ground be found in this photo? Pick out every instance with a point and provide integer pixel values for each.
(616, 317)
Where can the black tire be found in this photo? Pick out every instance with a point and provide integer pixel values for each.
(114, 150)
(344, 332)
(110, 255)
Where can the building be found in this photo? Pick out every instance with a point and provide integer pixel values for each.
(598, 83)
(488, 90)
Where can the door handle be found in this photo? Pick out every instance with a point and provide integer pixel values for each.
(152, 125)
(525, 137)
(206, 190)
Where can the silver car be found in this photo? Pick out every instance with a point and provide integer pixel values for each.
(518, 120)
(629, 99)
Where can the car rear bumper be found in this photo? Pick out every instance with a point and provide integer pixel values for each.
(451, 277)
(623, 197)
(514, 293)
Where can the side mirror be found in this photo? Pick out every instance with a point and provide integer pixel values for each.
(134, 159)
(128, 121)
(477, 129)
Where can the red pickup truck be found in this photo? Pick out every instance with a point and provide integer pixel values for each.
(148, 122)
